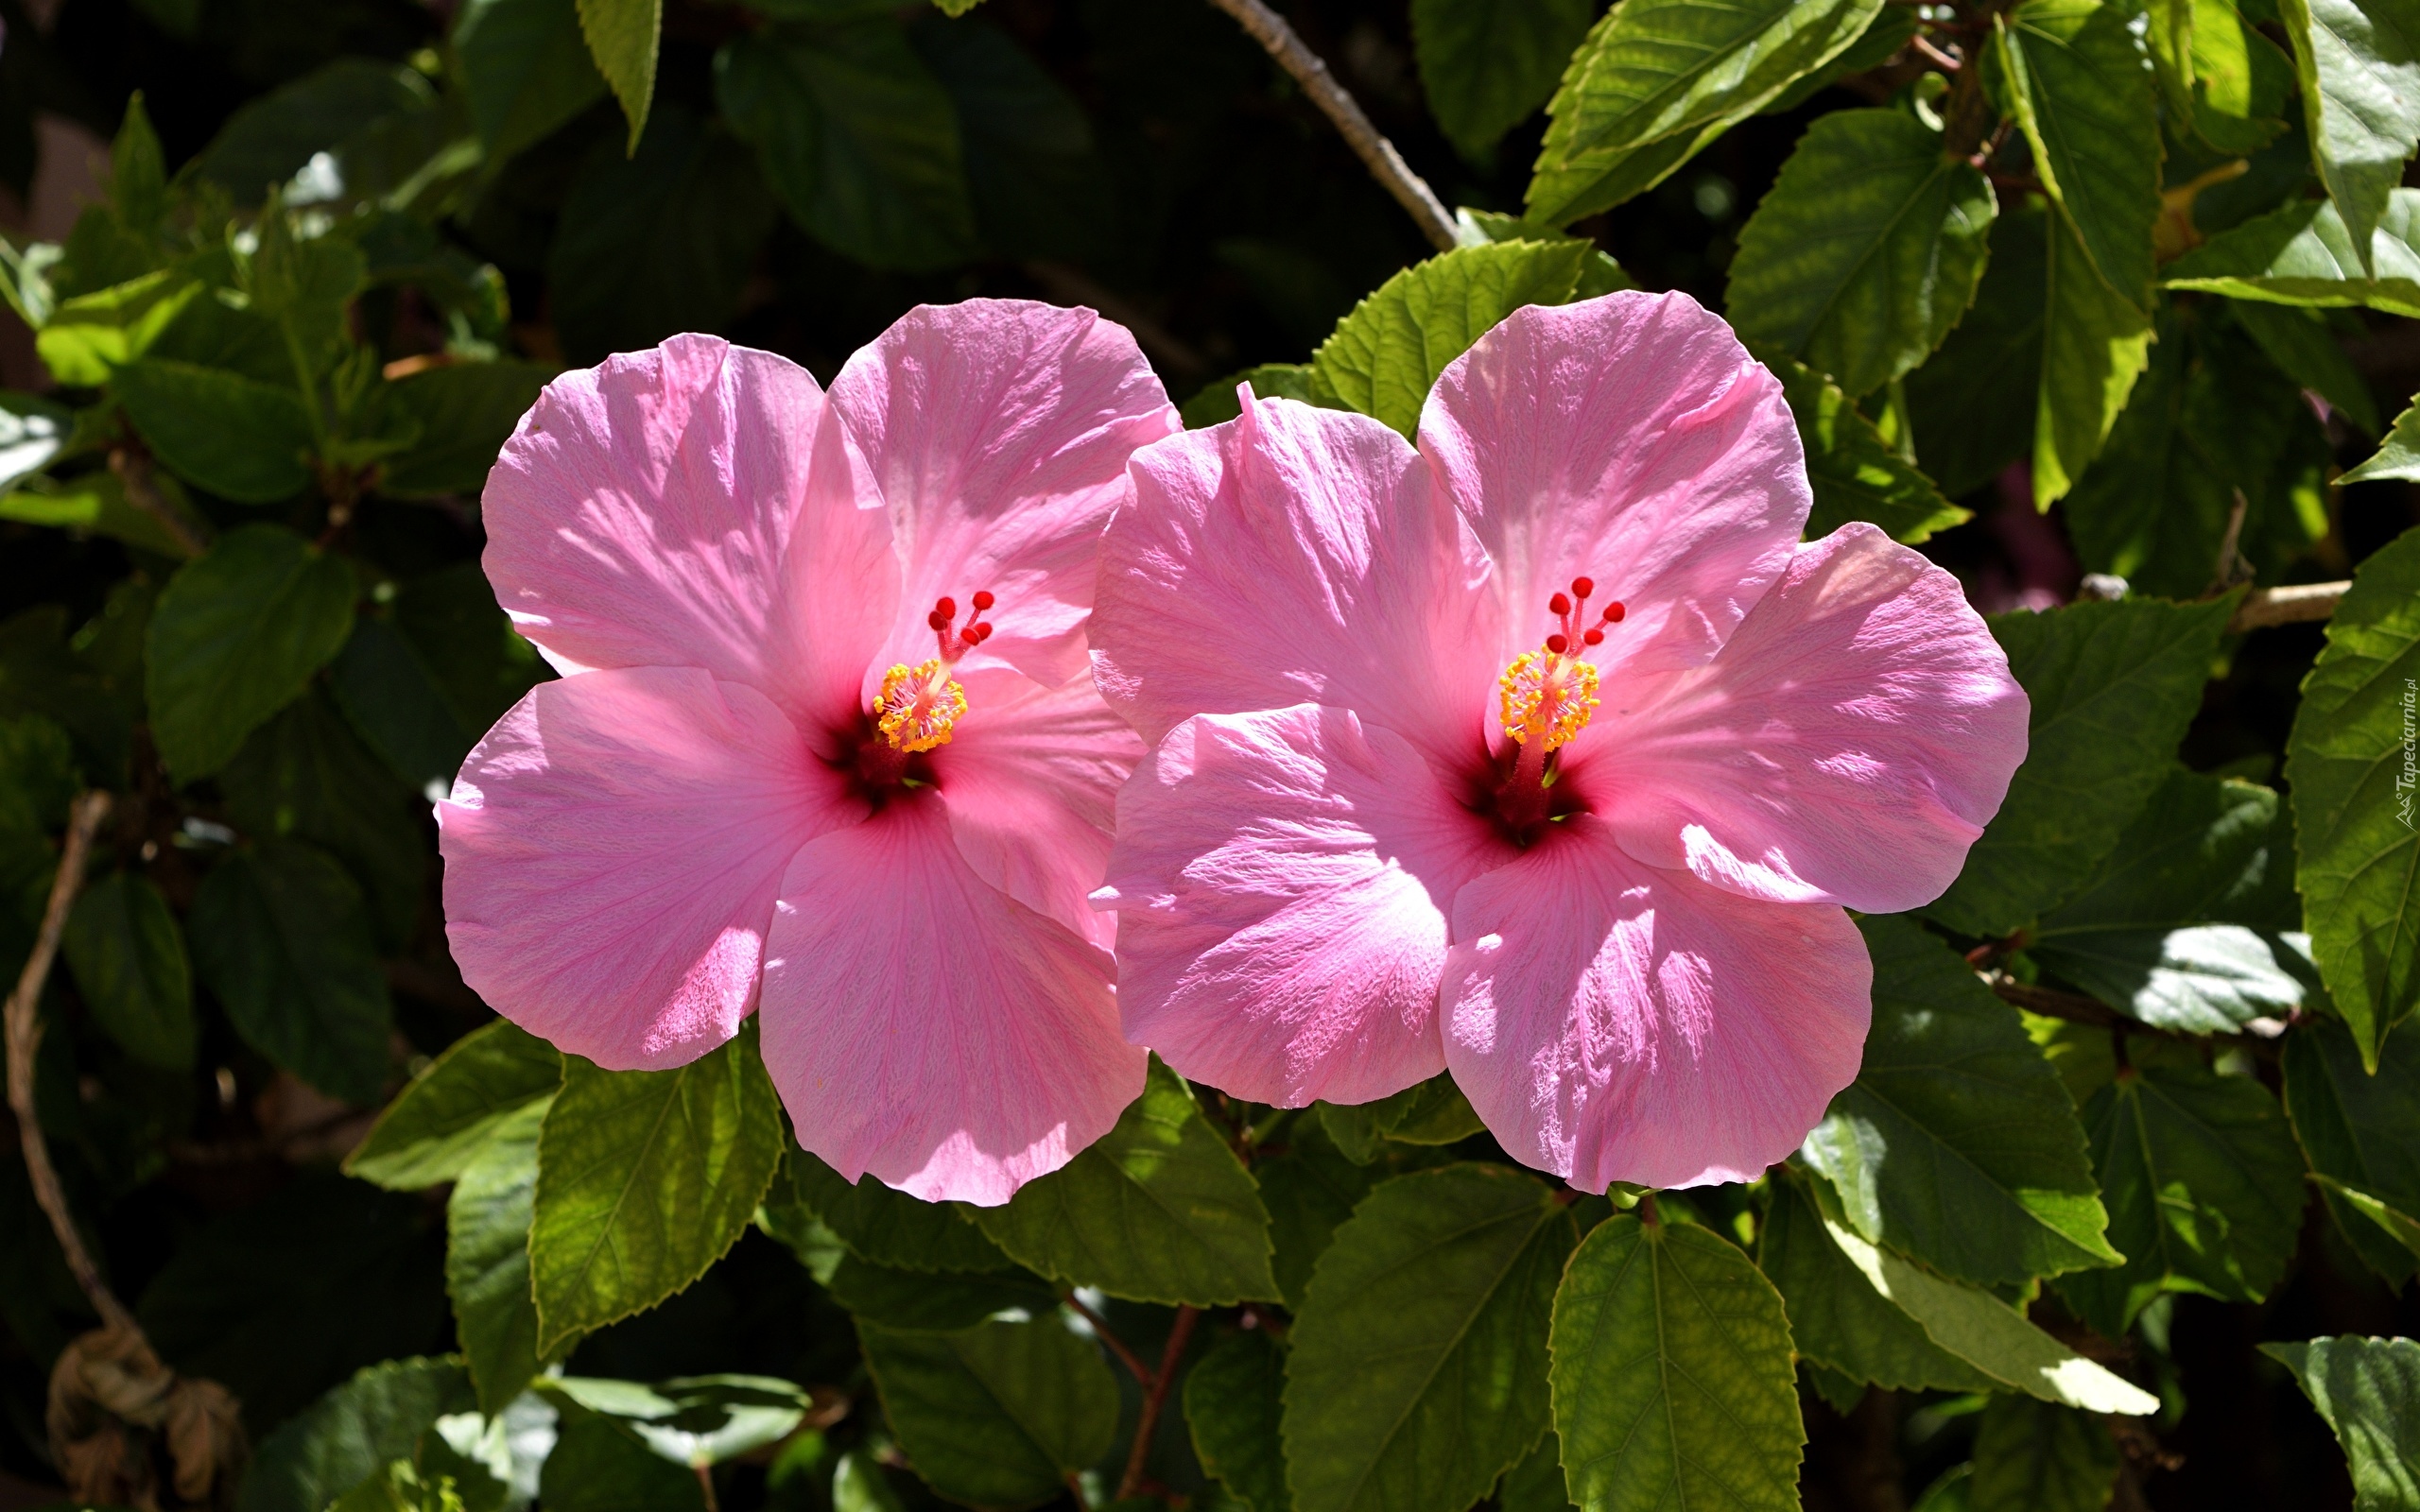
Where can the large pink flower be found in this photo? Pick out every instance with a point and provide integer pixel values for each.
(825, 746)
(1544, 752)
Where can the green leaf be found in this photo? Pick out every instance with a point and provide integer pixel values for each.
(2204, 1189)
(1865, 251)
(1384, 356)
(1429, 1112)
(1040, 185)
(1158, 1209)
(645, 1178)
(2302, 345)
(1884, 38)
(1956, 1143)
(1837, 1318)
(857, 138)
(2210, 422)
(466, 412)
(351, 1433)
(235, 637)
(1216, 403)
(599, 1464)
(96, 502)
(2399, 457)
(2369, 1392)
(487, 1257)
(88, 338)
(697, 1421)
(1989, 1335)
(887, 1226)
(2302, 253)
(1672, 1374)
(2359, 1130)
(2094, 341)
(436, 1125)
(1309, 1189)
(1233, 1405)
(2039, 1456)
(1000, 1414)
(236, 437)
(1486, 64)
(526, 70)
(128, 957)
(1417, 1368)
(2239, 80)
(1657, 80)
(1536, 1483)
(917, 1301)
(660, 242)
(2079, 82)
(623, 36)
(331, 108)
(1855, 472)
(304, 286)
(280, 936)
(2357, 62)
(1973, 405)
(302, 776)
(391, 697)
(2346, 762)
(2113, 686)
(37, 774)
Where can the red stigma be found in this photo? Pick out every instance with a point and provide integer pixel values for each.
(1613, 612)
(1593, 638)
(945, 607)
(983, 600)
(1558, 644)
(1582, 587)
(956, 641)
(1557, 605)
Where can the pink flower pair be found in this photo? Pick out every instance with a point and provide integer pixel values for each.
(1543, 752)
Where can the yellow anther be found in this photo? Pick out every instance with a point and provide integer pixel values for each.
(918, 706)
(1548, 695)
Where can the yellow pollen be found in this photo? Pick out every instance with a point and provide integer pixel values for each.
(1547, 694)
(918, 706)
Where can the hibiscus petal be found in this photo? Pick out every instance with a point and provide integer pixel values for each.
(1030, 781)
(1633, 441)
(1281, 879)
(639, 515)
(996, 435)
(1290, 556)
(924, 1026)
(1847, 746)
(1611, 1021)
(613, 850)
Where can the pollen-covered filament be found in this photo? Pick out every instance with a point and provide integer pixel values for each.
(1550, 695)
(919, 706)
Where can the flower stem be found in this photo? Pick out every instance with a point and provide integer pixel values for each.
(1155, 1396)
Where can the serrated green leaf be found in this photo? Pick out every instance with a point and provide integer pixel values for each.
(332, 109)
(2346, 760)
(1430, 1112)
(2398, 457)
(2079, 82)
(2368, 1390)
(1989, 1335)
(889, 1227)
(2357, 62)
(1000, 1415)
(1855, 472)
(1865, 251)
(2359, 1130)
(2184, 925)
(1835, 1316)
(917, 1301)
(1309, 1188)
(1383, 357)
(351, 1433)
(1232, 1405)
(88, 338)
(2094, 342)
(623, 37)
(1536, 1483)
(1672, 1376)
(1158, 1209)
(235, 637)
(2204, 1189)
(128, 957)
(1485, 64)
(2039, 1456)
(97, 501)
(1973, 405)
(1417, 1371)
(526, 70)
(435, 1128)
(1956, 1143)
(236, 437)
(2239, 80)
(465, 413)
(1657, 80)
(2301, 343)
(487, 1257)
(2113, 686)
(645, 1178)
(696, 1422)
(599, 1464)
(2302, 253)
(280, 936)
(1216, 403)
(392, 698)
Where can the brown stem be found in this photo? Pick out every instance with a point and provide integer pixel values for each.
(706, 1488)
(1075, 1491)
(2074, 1007)
(134, 471)
(24, 1028)
(1126, 1356)
(1155, 1396)
(1269, 30)
(2286, 606)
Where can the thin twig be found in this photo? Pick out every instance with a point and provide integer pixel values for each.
(2073, 1007)
(1269, 30)
(1127, 1357)
(134, 471)
(2231, 568)
(1155, 1396)
(23, 1026)
(2286, 606)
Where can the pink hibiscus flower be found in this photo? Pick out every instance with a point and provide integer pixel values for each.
(1544, 753)
(824, 744)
